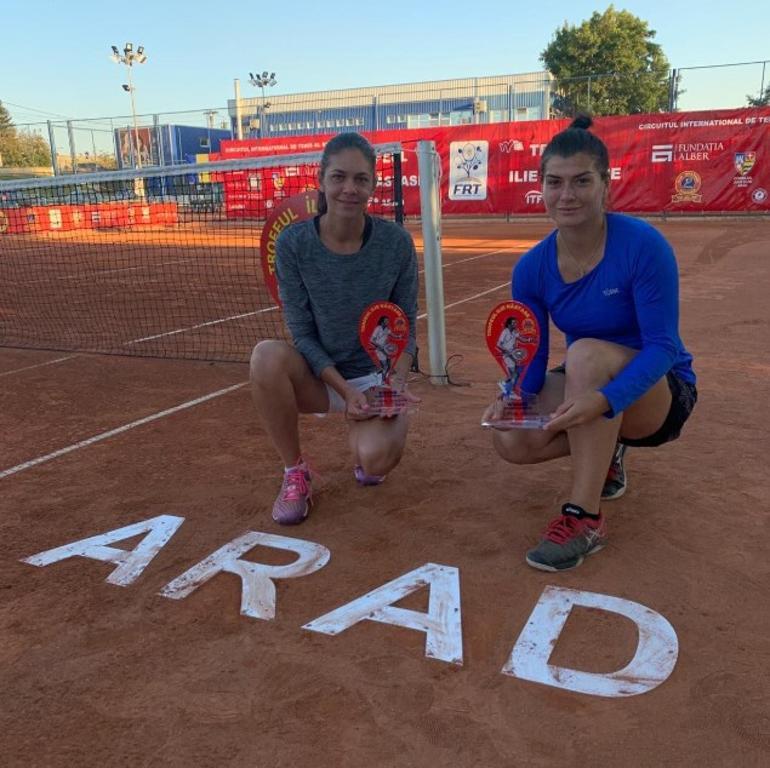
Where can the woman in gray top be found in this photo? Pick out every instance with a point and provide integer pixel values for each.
(330, 269)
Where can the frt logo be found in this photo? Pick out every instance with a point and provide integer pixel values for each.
(464, 191)
(468, 169)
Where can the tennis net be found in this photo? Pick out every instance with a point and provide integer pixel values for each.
(173, 262)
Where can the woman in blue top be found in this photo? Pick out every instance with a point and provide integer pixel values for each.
(610, 283)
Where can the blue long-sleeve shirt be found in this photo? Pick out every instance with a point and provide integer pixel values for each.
(631, 298)
(324, 293)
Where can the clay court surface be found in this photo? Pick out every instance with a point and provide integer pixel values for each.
(93, 674)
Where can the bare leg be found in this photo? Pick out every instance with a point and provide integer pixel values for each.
(591, 445)
(377, 444)
(282, 387)
(590, 364)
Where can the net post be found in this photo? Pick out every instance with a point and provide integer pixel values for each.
(398, 191)
(428, 163)
(52, 144)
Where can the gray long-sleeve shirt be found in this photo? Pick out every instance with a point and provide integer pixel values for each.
(324, 293)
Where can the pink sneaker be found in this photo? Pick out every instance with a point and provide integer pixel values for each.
(296, 496)
(363, 479)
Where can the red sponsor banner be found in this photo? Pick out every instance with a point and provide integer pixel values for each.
(65, 218)
(715, 161)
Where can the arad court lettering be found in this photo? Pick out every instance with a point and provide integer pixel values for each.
(652, 663)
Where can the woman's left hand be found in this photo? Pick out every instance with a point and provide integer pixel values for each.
(410, 398)
(577, 411)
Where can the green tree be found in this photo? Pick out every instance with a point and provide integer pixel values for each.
(6, 124)
(32, 150)
(19, 149)
(608, 66)
(760, 101)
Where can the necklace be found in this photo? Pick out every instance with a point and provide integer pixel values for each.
(582, 267)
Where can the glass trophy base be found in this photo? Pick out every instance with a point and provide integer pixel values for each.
(517, 412)
(384, 401)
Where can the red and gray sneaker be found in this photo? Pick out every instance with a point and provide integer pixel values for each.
(363, 479)
(568, 539)
(296, 496)
(616, 482)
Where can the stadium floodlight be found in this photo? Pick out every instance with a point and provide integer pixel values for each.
(129, 58)
(265, 80)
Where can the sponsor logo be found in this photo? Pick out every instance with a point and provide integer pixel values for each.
(698, 151)
(611, 291)
(662, 153)
(532, 176)
(743, 163)
(759, 195)
(468, 168)
(511, 145)
(529, 176)
(687, 185)
(533, 197)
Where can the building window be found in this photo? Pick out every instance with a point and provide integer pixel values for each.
(461, 117)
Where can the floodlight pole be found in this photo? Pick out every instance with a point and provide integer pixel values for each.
(129, 58)
(261, 81)
(137, 153)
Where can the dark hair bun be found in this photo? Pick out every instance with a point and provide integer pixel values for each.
(582, 121)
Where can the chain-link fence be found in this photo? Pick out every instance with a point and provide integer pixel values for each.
(107, 143)
(177, 137)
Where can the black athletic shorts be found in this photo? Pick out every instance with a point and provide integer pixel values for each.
(684, 395)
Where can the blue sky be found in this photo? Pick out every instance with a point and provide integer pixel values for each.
(55, 53)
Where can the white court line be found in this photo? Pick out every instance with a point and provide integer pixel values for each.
(470, 298)
(128, 269)
(188, 404)
(117, 431)
(273, 308)
(472, 258)
(202, 325)
(37, 365)
(80, 276)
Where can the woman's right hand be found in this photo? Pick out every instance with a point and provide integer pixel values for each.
(356, 405)
(493, 412)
